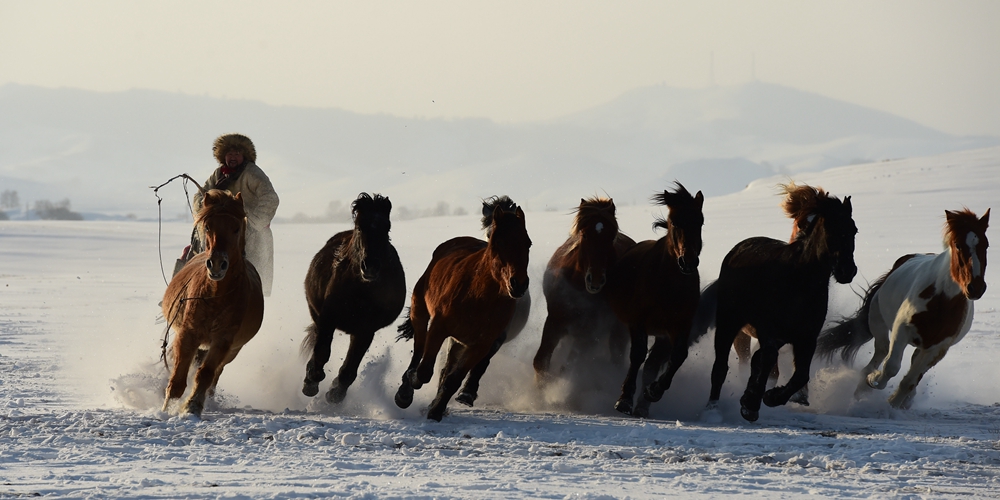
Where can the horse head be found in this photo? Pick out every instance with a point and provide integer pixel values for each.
(223, 220)
(965, 235)
(508, 244)
(826, 227)
(370, 241)
(596, 227)
(683, 224)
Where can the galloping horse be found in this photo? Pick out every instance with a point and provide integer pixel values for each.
(925, 301)
(355, 283)
(781, 290)
(469, 292)
(572, 283)
(214, 303)
(654, 289)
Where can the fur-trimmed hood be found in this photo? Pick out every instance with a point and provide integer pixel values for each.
(225, 143)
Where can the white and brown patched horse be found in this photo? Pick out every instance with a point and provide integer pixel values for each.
(925, 301)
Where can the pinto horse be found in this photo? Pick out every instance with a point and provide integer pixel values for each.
(925, 301)
(781, 290)
(214, 303)
(355, 283)
(654, 290)
(469, 292)
(572, 283)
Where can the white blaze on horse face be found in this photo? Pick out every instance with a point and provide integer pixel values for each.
(599, 227)
(973, 241)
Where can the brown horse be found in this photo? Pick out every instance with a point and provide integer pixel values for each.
(469, 292)
(573, 281)
(214, 303)
(654, 289)
(355, 283)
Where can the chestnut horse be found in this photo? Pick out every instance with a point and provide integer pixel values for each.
(469, 292)
(925, 301)
(355, 283)
(214, 303)
(781, 290)
(573, 281)
(654, 290)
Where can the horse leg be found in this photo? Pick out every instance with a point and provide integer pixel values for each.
(349, 370)
(725, 334)
(184, 352)
(324, 326)
(218, 371)
(618, 342)
(552, 332)
(679, 353)
(803, 352)
(637, 353)
(760, 367)
(658, 354)
(455, 370)
(922, 360)
(898, 340)
(204, 377)
(404, 395)
(470, 391)
(879, 330)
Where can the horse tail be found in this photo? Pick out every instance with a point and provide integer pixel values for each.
(849, 334)
(309, 343)
(704, 316)
(405, 330)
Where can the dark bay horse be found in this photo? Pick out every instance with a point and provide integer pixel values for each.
(654, 289)
(214, 303)
(469, 293)
(925, 300)
(355, 284)
(573, 281)
(781, 290)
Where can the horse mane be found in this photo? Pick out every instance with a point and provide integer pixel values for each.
(806, 206)
(668, 199)
(490, 204)
(366, 203)
(957, 224)
(593, 210)
(218, 201)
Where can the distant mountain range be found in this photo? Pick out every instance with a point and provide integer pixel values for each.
(103, 150)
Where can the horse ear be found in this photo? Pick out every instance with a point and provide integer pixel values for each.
(582, 201)
(519, 213)
(847, 204)
(700, 199)
(985, 219)
(239, 196)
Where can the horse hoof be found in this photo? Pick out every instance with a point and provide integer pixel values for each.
(435, 415)
(624, 406)
(310, 389)
(772, 398)
(403, 400)
(748, 414)
(800, 398)
(641, 410)
(652, 393)
(336, 394)
(466, 399)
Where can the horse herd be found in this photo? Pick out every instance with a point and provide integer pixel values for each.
(600, 282)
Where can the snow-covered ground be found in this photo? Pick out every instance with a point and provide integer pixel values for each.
(81, 385)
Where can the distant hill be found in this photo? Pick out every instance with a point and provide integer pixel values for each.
(103, 150)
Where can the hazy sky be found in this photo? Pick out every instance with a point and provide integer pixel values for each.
(934, 62)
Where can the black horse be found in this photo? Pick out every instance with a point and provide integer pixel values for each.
(355, 284)
(781, 290)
